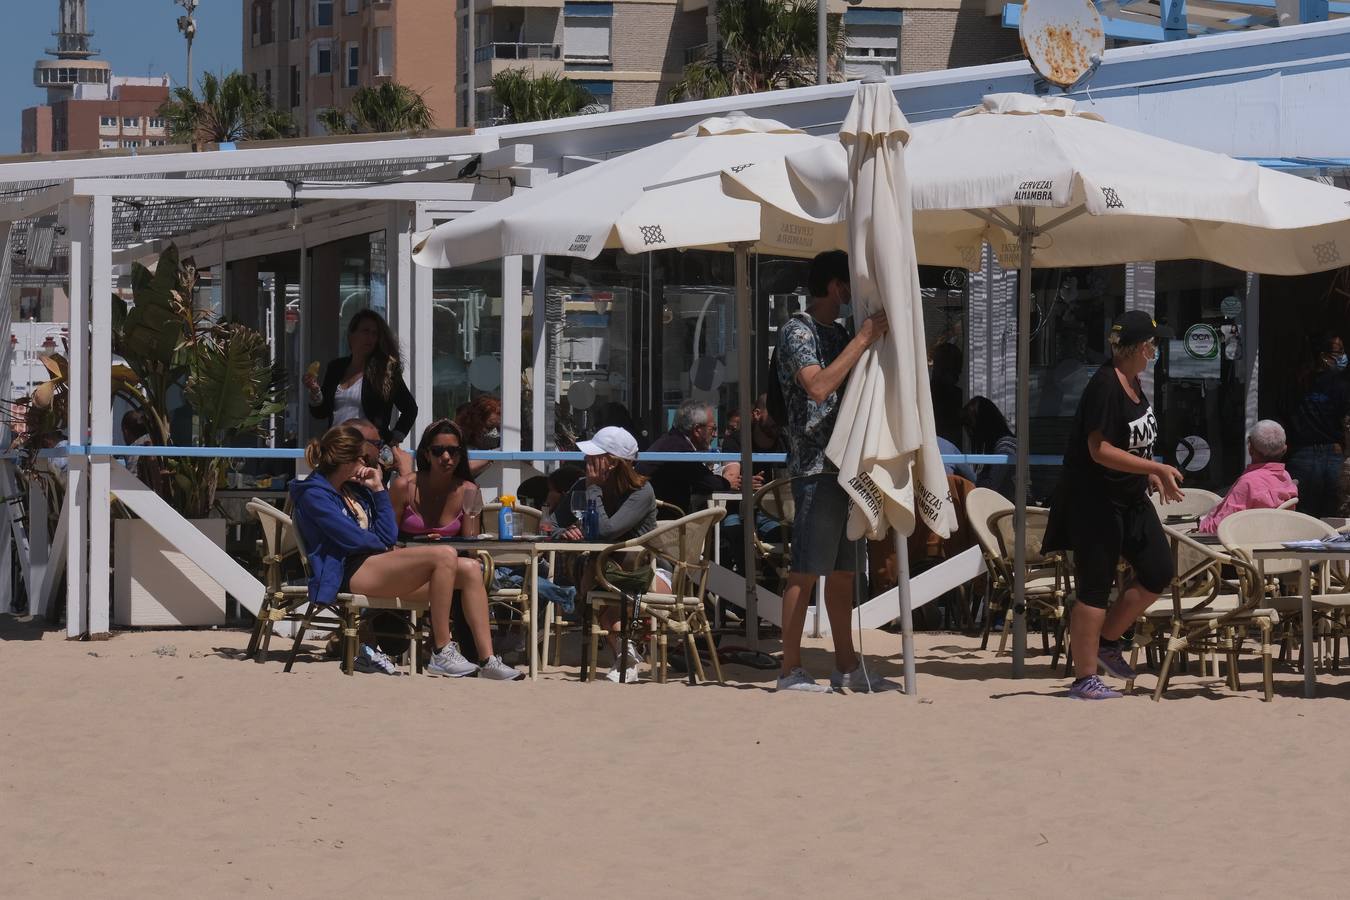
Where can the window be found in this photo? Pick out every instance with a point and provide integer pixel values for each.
(106, 144)
(107, 121)
(352, 7)
(131, 121)
(323, 13)
(295, 86)
(157, 123)
(267, 84)
(353, 75)
(295, 19)
(321, 57)
(384, 51)
(872, 40)
(131, 145)
(586, 29)
(262, 22)
(158, 143)
(602, 96)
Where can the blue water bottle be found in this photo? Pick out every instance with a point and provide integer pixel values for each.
(506, 520)
(590, 524)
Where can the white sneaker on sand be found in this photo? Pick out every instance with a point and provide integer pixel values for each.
(800, 680)
(630, 678)
(450, 663)
(860, 682)
(496, 670)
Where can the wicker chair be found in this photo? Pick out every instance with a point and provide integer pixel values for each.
(1047, 578)
(678, 547)
(281, 602)
(1196, 504)
(776, 501)
(981, 504)
(1208, 613)
(1252, 529)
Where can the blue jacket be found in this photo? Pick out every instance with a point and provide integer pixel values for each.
(332, 534)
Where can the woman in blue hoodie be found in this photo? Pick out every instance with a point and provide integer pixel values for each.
(347, 522)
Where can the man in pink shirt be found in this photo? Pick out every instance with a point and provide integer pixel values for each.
(1264, 485)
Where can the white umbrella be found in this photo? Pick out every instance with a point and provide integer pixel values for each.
(1047, 184)
(885, 444)
(664, 196)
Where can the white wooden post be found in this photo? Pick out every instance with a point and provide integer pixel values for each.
(39, 548)
(539, 377)
(100, 407)
(422, 325)
(512, 275)
(78, 211)
(398, 240)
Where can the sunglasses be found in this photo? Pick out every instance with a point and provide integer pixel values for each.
(378, 444)
(451, 450)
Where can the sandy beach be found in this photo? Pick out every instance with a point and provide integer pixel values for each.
(134, 773)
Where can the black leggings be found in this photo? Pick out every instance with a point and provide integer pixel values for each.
(1106, 533)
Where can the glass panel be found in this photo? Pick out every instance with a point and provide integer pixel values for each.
(1199, 385)
(466, 336)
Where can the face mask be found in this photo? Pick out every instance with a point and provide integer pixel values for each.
(491, 439)
(846, 312)
(386, 456)
(1340, 361)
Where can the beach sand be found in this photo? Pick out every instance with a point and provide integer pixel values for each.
(127, 773)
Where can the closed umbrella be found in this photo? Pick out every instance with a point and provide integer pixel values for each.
(885, 444)
(1048, 184)
(664, 196)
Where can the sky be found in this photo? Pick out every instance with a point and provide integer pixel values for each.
(138, 37)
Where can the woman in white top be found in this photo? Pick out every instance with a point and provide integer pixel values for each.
(366, 385)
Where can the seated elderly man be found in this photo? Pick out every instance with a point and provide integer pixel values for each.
(679, 482)
(1264, 485)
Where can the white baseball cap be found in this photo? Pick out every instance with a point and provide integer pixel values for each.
(612, 440)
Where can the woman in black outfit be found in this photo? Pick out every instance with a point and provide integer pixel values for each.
(366, 385)
(1102, 512)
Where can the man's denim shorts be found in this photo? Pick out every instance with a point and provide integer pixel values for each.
(819, 542)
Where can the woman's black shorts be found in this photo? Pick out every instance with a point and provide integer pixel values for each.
(1105, 533)
(349, 567)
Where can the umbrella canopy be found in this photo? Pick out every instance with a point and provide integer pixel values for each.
(664, 196)
(1100, 194)
(886, 450)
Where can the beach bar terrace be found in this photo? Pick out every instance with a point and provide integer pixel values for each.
(319, 228)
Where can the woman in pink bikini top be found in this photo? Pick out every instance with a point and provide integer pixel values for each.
(432, 500)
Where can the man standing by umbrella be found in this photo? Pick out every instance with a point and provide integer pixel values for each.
(815, 356)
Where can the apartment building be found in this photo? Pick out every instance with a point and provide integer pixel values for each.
(630, 54)
(312, 55)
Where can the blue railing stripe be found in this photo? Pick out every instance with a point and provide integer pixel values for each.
(973, 459)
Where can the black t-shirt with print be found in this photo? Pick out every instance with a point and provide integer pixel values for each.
(1130, 426)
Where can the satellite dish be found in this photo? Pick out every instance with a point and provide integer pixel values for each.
(1062, 39)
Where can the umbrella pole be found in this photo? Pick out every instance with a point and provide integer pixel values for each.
(1025, 232)
(906, 610)
(745, 344)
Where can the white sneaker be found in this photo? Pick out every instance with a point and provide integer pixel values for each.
(800, 680)
(861, 682)
(450, 663)
(496, 670)
(372, 659)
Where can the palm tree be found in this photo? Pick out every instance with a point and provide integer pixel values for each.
(531, 98)
(229, 109)
(763, 45)
(389, 107)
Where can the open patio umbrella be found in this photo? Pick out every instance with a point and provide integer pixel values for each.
(886, 443)
(1048, 184)
(664, 196)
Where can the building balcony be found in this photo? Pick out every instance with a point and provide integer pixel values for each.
(491, 52)
(695, 53)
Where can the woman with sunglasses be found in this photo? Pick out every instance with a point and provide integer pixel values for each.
(1101, 510)
(439, 501)
(345, 517)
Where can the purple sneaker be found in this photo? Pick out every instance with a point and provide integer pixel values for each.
(1113, 661)
(1092, 688)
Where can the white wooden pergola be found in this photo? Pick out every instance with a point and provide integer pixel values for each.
(218, 206)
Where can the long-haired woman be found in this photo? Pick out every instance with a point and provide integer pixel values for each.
(989, 434)
(368, 384)
(480, 421)
(347, 521)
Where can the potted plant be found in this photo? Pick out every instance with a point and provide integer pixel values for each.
(221, 370)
